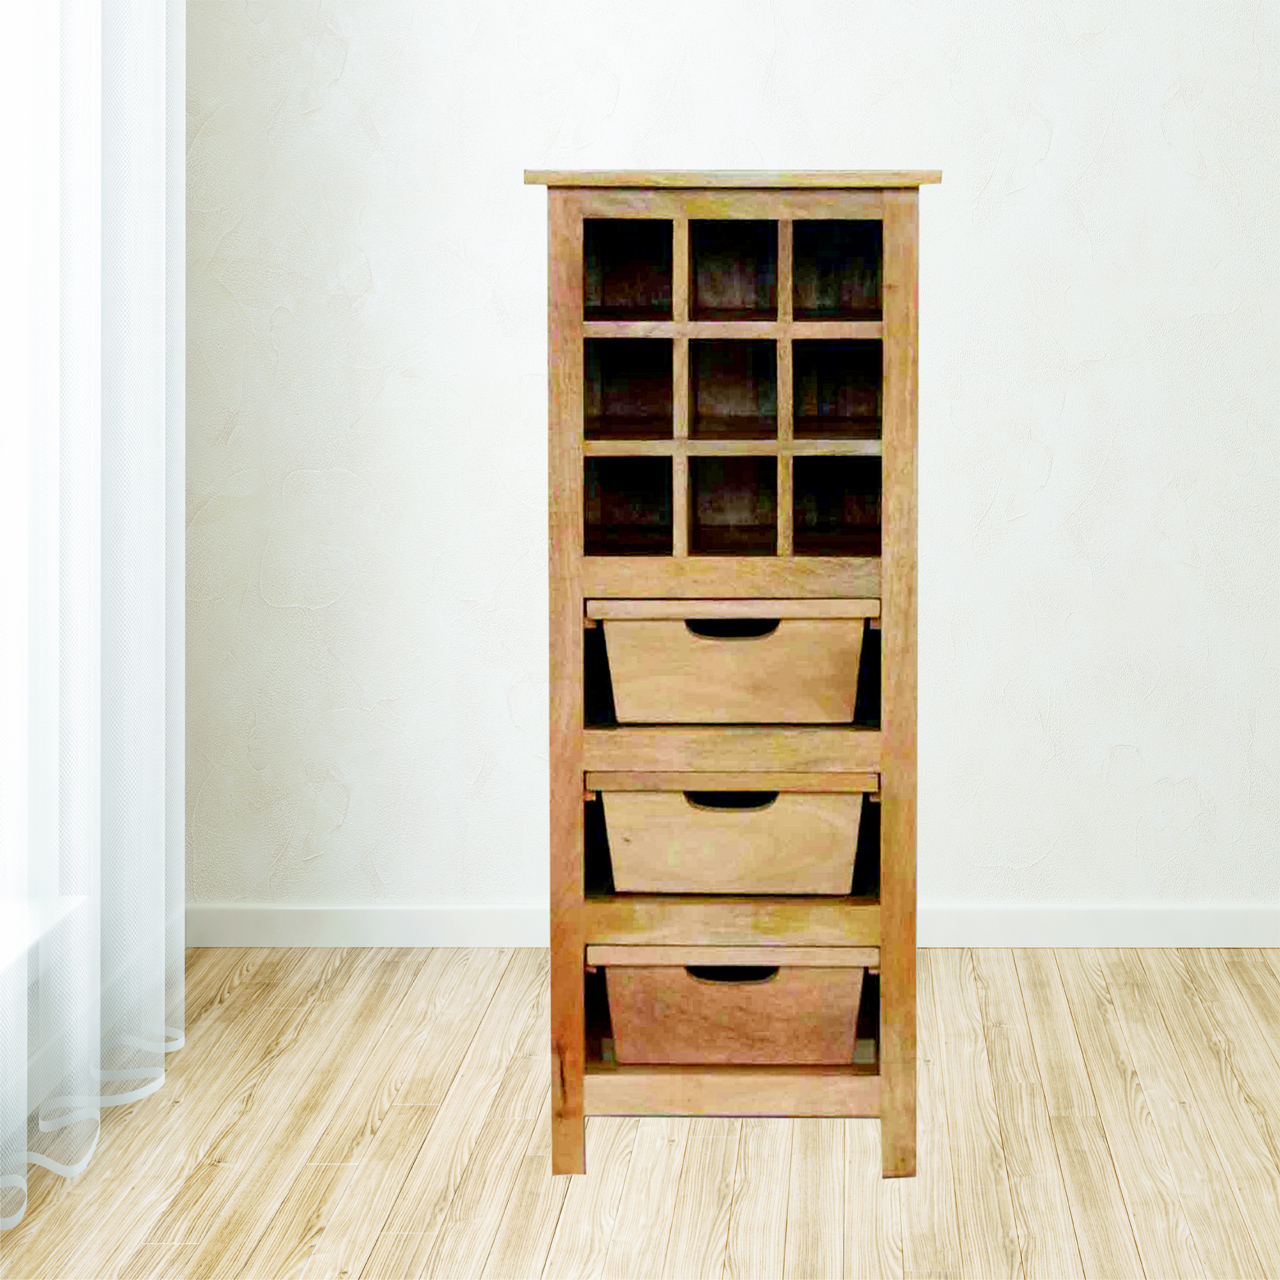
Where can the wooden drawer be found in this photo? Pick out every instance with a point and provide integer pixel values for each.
(718, 669)
(759, 1010)
(732, 841)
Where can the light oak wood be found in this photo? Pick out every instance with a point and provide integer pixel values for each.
(777, 330)
(735, 577)
(682, 1014)
(1196, 1041)
(1160, 1228)
(898, 684)
(565, 486)
(638, 1244)
(678, 449)
(744, 179)
(668, 842)
(732, 1090)
(815, 1200)
(653, 609)
(984, 1211)
(758, 1217)
(592, 1203)
(814, 782)
(700, 1224)
(737, 749)
(872, 1216)
(1207, 1192)
(821, 957)
(639, 919)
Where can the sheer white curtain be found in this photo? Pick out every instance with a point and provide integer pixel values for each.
(91, 556)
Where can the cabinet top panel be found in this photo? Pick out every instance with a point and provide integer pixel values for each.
(746, 179)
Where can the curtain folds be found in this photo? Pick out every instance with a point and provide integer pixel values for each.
(91, 865)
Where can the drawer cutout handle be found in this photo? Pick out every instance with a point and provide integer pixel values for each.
(732, 973)
(735, 801)
(732, 628)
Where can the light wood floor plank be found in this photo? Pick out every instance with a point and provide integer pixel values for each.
(592, 1202)
(927, 1202)
(132, 1179)
(756, 1247)
(444, 978)
(638, 1244)
(872, 1221)
(1063, 1075)
(1046, 1232)
(156, 1262)
(1160, 1227)
(419, 1211)
(292, 1109)
(700, 1226)
(524, 1235)
(462, 1246)
(815, 1203)
(988, 1237)
(1207, 1193)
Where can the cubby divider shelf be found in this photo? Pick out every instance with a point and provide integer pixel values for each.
(732, 388)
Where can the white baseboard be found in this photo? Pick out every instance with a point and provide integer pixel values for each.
(252, 924)
(1098, 926)
(266, 924)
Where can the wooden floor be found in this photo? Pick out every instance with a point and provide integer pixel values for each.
(347, 1113)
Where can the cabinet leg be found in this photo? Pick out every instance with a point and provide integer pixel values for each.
(898, 1117)
(568, 1128)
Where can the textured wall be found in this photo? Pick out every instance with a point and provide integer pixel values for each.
(1100, 713)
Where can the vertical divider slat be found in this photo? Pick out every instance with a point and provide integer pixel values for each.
(680, 386)
(786, 396)
(565, 458)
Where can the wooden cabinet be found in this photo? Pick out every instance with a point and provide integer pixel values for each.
(733, 647)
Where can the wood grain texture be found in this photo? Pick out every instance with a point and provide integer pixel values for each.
(745, 179)
(664, 842)
(734, 329)
(804, 671)
(732, 748)
(822, 957)
(732, 1091)
(1209, 1195)
(988, 1238)
(898, 685)
(1196, 1041)
(1061, 1065)
(682, 609)
(592, 1203)
(930, 1232)
(872, 1216)
(638, 1245)
(1042, 1215)
(809, 446)
(1147, 1182)
(565, 483)
(816, 782)
(815, 1202)
(637, 919)
(730, 576)
(757, 1241)
(699, 1233)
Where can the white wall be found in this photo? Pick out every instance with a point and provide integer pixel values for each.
(1100, 603)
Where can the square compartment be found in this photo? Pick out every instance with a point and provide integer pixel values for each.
(836, 268)
(626, 268)
(627, 505)
(837, 389)
(733, 390)
(627, 389)
(837, 506)
(734, 506)
(735, 270)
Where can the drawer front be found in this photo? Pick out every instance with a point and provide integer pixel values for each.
(733, 842)
(734, 1014)
(799, 671)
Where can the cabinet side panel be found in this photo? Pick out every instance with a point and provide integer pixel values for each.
(564, 351)
(898, 689)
